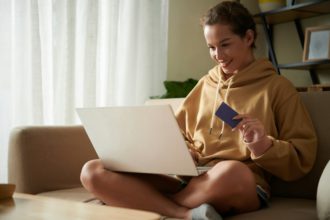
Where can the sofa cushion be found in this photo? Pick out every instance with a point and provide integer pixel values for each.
(282, 208)
(318, 106)
(323, 194)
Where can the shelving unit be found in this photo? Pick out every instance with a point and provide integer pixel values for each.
(294, 12)
(312, 65)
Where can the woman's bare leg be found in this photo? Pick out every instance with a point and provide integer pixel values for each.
(132, 190)
(228, 186)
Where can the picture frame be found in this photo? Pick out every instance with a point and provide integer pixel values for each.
(317, 43)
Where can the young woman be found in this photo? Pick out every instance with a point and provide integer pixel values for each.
(275, 135)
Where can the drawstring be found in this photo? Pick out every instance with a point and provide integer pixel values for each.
(215, 104)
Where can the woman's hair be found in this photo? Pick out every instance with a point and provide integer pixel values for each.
(233, 14)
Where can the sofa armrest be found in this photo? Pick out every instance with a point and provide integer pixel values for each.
(45, 158)
(323, 194)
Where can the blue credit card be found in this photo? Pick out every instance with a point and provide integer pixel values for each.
(226, 113)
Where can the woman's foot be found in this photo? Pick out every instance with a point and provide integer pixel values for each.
(205, 212)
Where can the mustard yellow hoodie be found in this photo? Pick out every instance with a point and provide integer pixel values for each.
(259, 91)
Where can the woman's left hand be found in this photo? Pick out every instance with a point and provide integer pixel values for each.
(253, 134)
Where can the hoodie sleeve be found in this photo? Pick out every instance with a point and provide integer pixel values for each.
(293, 152)
(186, 114)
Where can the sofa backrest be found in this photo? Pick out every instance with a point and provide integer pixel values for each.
(173, 102)
(318, 106)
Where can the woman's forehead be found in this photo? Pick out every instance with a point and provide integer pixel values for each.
(218, 31)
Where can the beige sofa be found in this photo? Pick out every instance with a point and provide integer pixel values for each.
(47, 160)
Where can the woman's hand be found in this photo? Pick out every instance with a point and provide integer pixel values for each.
(251, 128)
(253, 134)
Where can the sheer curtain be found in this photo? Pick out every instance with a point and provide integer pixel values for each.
(58, 55)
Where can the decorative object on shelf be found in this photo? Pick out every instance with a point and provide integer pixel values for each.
(317, 43)
(268, 5)
(289, 2)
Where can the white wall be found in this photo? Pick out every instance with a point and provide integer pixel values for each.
(187, 51)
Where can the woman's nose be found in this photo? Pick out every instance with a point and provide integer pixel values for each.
(218, 54)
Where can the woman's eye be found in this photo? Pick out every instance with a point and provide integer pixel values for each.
(224, 45)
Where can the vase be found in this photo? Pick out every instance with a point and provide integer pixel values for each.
(268, 5)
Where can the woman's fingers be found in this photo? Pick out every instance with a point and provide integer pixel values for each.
(251, 128)
(252, 132)
(244, 120)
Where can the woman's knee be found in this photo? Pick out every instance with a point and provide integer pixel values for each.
(234, 177)
(90, 174)
(234, 183)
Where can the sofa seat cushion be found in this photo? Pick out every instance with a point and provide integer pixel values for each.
(280, 208)
(283, 208)
(79, 194)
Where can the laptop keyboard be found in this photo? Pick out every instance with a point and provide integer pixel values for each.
(202, 170)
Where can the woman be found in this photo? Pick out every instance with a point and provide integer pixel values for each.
(275, 135)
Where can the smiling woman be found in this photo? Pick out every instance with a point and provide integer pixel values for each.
(60, 55)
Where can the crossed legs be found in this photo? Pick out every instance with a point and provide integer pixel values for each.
(228, 186)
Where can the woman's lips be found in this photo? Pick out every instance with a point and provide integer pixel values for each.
(225, 64)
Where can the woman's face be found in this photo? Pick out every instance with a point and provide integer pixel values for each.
(232, 52)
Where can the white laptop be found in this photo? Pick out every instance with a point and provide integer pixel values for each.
(140, 139)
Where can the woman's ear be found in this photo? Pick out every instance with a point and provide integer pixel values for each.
(249, 37)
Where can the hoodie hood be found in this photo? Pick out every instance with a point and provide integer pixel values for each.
(258, 69)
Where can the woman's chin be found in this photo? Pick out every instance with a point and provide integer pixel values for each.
(227, 71)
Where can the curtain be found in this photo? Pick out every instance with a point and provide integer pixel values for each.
(62, 54)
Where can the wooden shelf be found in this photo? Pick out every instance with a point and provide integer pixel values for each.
(313, 88)
(297, 11)
(294, 13)
(321, 64)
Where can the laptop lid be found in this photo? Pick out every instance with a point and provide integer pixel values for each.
(141, 139)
